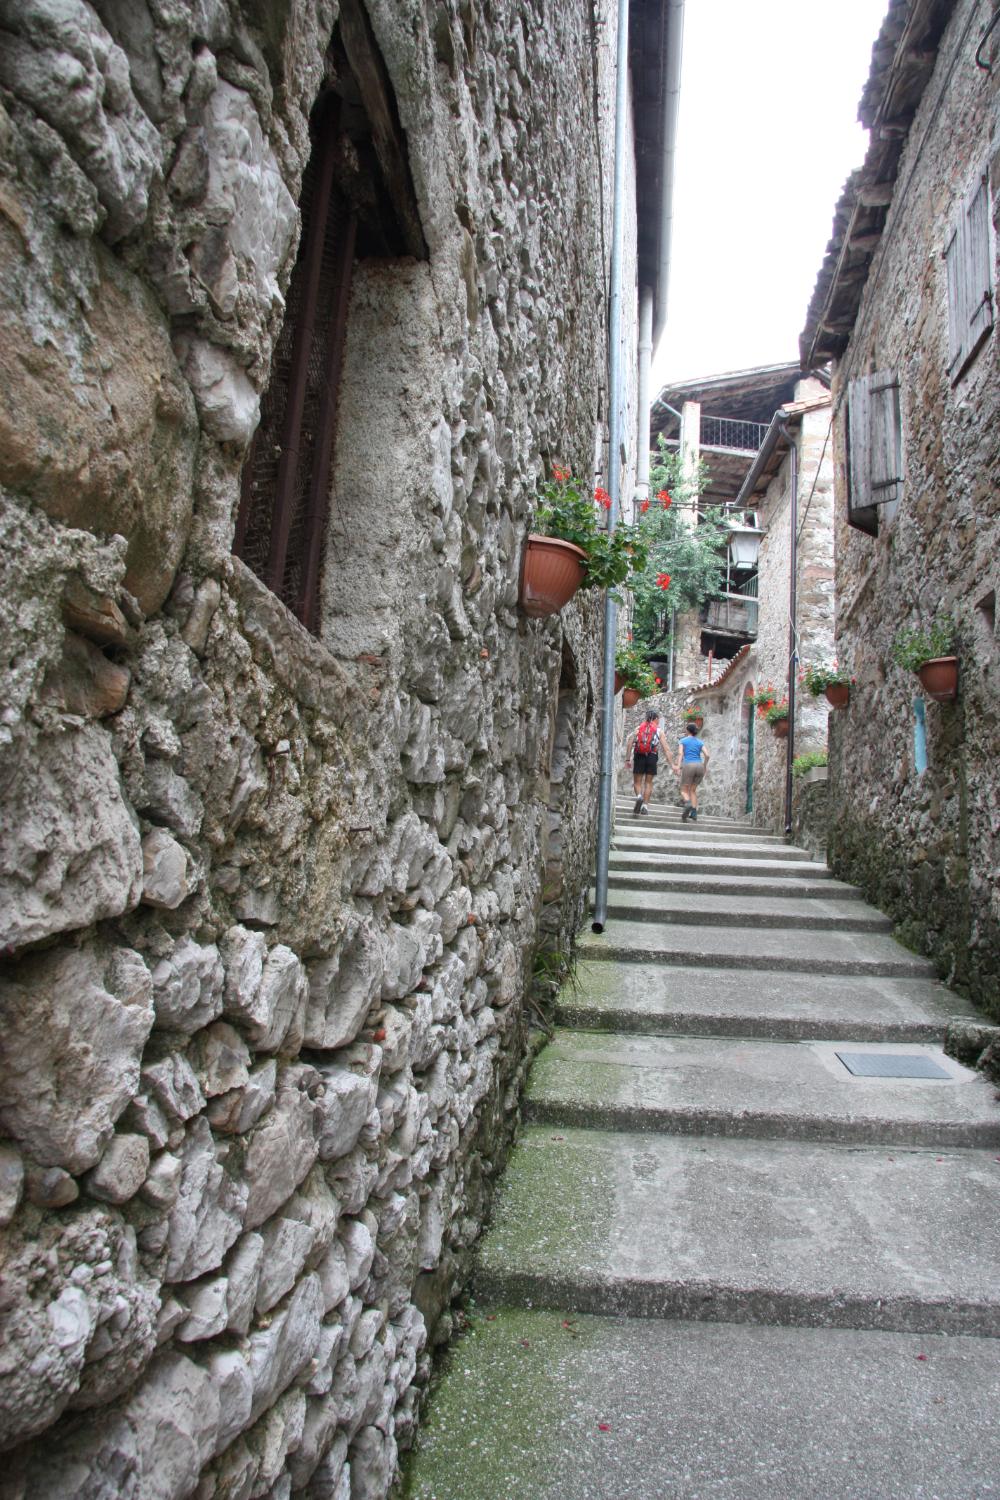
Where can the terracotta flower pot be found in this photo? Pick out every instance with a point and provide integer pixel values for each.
(630, 697)
(939, 678)
(780, 727)
(697, 722)
(837, 694)
(551, 573)
(619, 682)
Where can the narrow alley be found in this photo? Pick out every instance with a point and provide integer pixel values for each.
(745, 1245)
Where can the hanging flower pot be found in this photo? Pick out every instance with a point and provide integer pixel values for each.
(630, 697)
(694, 723)
(619, 682)
(837, 694)
(551, 573)
(939, 678)
(780, 727)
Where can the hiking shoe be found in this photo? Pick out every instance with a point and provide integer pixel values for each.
(644, 811)
(694, 815)
(637, 808)
(685, 814)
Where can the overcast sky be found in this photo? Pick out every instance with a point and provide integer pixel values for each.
(768, 133)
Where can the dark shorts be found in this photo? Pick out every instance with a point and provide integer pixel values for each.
(643, 765)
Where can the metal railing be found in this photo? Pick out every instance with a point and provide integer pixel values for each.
(726, 432)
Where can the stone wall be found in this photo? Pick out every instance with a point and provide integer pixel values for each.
(270, 900)
(814, 601)
(926, 844)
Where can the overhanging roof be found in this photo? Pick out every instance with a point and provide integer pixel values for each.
(655, 28)
(903, 59)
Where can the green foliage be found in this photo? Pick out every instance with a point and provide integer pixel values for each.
(635, 671)
(911, 648)
(764, 697)
(777, 711)
(686, 559)
(808, 761)
(819, 676)
(568, 511)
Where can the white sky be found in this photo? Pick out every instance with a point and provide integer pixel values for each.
(767, 135)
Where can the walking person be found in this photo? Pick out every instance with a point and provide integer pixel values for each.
(691, 764)
(643, 748)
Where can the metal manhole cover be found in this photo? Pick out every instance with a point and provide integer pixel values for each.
(892, 1065)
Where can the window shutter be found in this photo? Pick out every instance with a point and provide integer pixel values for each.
(886, 442)
(970, 285)
(954, 260)
(282, 520)
(861, 512)
(978, 289)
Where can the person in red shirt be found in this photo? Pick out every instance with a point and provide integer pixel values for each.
(642, 749)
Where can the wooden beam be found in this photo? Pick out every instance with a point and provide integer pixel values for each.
(387, 134)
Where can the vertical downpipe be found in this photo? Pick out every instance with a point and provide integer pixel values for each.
(642, 397)
(615, 384)
(793, 639)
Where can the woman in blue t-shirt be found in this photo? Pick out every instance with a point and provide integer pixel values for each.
(691, 764)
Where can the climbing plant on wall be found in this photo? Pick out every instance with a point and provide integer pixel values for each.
(687, 550)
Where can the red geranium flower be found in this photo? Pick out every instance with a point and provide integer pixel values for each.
(602, 497)
(559, 473)
(663, 580)
(658, 681)
(644, 506)
(664, 499)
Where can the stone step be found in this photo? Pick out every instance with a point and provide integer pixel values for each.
(706, 909)
(794, 882)
(668, 815)
(805, 951)
(778, 1232)
(762, 1089)
(694, 844)
(660, 999)
(545, 1407)
(681, 862)
(694, 832)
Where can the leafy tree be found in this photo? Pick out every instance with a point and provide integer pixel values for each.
(687, 559)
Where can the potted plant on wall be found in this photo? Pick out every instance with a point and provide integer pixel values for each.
(567, 548)
(777, 716)
(829, 678)
(693, 716)
(634, 674)
(763, 698)
(930, 653)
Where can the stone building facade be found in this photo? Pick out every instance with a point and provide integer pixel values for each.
(905, 306)
(283, 829)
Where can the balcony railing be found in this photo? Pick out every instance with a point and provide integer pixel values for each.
(726, 432)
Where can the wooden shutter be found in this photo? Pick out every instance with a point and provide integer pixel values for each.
(283, 504)
(969, 282)
(861, 512)
(979, 294)
(875, 450)
(886, 443)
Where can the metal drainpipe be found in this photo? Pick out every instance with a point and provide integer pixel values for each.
(793, 454)
(606, 784)
(642, 397)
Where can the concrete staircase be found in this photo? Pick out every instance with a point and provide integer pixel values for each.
(722, 1264)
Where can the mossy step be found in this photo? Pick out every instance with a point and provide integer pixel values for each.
(593, 1221)
(695, 848)
(805, 951)
(755, 1088)
(681, 879)
(708, 909)
(670, 1000)
(538, 1406)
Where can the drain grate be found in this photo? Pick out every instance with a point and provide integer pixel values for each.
(892, 1065)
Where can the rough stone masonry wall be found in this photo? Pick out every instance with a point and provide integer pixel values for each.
(814, 604)
(269, 901)
(926, 846)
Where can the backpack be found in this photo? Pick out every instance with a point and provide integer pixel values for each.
(645, 737)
